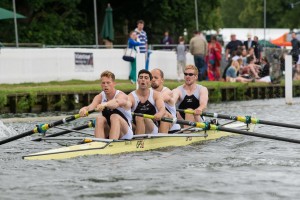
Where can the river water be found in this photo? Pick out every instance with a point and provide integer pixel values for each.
(237, 167)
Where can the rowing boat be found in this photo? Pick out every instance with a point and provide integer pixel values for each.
(95, 146)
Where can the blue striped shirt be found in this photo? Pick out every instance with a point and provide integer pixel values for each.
(143, 39)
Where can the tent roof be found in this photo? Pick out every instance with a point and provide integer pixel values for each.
(6, 14)
(282, 41)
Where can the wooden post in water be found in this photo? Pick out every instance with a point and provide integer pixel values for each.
(288, 80)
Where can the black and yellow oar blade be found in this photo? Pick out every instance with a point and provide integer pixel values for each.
(90, 124)
(246, 119)
(208, 126)
(42, 128)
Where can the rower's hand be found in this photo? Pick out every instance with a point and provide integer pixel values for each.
(197, 111)
(157, 116)
(83, 112)
(101, 107)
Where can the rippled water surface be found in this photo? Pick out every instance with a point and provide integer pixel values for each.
(237, 167)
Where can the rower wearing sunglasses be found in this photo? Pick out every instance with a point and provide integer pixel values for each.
(191, 95)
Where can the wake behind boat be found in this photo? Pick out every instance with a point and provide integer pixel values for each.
(145, 142)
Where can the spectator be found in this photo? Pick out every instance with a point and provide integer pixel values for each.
(234, 56)
(133, 44)
(264, 71)
(213, 59)
(258, 48)
(142, 36)
(250, 43)
(296, 76)
(295, 47)
(198, 48)
(181, 58)
(232, 46)
(232, 71)
(251, 53)
(251, 70)
(167, 40)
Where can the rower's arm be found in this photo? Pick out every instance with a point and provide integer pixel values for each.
(120, 101)
(131, 100)
(159, 105)
(176, 95)
(97, 99)
(167, 96)
(202, 101)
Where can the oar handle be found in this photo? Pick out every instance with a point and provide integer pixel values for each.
(203, 125)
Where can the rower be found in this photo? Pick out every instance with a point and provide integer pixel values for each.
(157, 84)
(115, 121)
(146, 101)
(191, 95)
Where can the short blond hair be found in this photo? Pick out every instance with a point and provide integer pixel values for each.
(108, 74)
(192, 67)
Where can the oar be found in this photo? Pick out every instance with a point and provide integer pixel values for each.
(42, 128)
(90, 124)
(208, 126)
(246, 119)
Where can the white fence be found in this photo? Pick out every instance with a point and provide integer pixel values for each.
(60, 64)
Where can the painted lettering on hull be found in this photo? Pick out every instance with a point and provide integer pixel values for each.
(140, 144)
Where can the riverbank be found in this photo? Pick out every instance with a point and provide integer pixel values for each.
(73, 94)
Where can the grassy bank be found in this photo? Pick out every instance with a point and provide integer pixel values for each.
(84, 86)
(60, 94)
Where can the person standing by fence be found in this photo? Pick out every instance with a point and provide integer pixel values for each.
(213, 59)
(295, 47)
(132, 44)
(198, 48)
(181, 58)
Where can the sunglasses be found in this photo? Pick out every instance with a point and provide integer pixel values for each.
(189, 74)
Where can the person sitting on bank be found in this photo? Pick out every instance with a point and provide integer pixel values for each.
(232, 71)
(115, 121)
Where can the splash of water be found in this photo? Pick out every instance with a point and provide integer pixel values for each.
(6, 131)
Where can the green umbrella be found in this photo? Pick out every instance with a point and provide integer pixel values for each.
(6, 14)
(266, 43)
(108, 28)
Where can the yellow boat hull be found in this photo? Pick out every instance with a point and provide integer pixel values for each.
(136, 145)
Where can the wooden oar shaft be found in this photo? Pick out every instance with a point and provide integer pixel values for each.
(43, 127)
(243, 119)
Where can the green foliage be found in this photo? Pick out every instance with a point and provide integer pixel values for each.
(216, 95)
(61, 102)
(3, 100)
(26, 102)
(65, 22)
(240, 92)
(250, 14)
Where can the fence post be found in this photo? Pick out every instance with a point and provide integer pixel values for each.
(288, 80)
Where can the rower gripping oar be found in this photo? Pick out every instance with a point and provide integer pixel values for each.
(209, 126)
(42, 128)
(246, 119)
